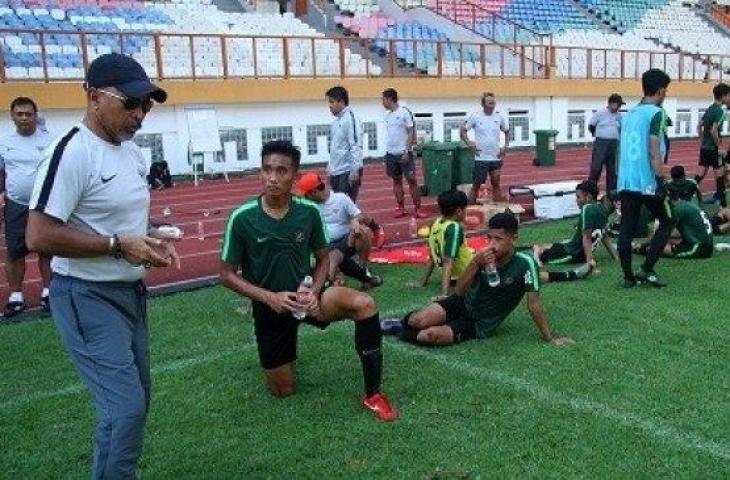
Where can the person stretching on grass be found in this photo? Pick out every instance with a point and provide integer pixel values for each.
(446, 242)
(272, 238)
(589, 230)
(479, 306)
(721, 222)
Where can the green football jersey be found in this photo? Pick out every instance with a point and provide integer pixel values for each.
(593, 218)
(692, 223)
(714, 114)
(686, 188)
(274, 254)
(490, 306)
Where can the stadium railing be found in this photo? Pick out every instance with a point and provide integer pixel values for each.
(492, 61)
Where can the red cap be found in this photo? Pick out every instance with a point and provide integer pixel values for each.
(308, 183)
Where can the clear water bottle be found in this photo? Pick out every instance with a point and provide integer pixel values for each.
(304, 296)
(201, 230)
(413, 227)
(493, 275)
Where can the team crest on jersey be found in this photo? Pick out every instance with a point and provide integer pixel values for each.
(299, 236)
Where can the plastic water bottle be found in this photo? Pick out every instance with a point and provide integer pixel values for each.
(201, 230)
(493, 275)
(304, 296)
(413, 227)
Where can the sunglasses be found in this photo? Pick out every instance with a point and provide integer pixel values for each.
(131, 103)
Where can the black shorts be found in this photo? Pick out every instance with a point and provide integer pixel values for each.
(276, 335)
(699, 250)
(341, 183)
(16, 219)
(482, 170)
(457, 318)
(396, 168)
(341, 245)
(711, 158)
(558, 253)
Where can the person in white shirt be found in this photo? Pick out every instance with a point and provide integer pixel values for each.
(605, 125)
(399, 160)
(90, 210)
(347, 231)
(21, 151)
(488, 155)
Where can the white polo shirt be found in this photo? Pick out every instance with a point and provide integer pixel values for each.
(338, 211)
(397, 123)
(607, 123)
(487, 129)
(96, 187)
(20, 156)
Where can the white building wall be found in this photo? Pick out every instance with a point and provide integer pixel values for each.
(540, 113)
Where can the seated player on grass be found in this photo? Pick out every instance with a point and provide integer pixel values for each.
(685, 188)
(477, 308)
(589, 230)
(271, 239)
(347, 227)
(695, 231)
(446, 241)
(721, 222)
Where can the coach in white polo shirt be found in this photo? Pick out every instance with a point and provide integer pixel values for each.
(90, 209)
(21, 151)
(399, 160)
(605, 125)
(488, 155)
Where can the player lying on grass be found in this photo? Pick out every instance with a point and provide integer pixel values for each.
(721, 222)
(589, 230)
(695, 231)
(272, 238)
(446, 242)
(347, 227)
(480, 305)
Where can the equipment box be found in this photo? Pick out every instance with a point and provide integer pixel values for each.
(551, 200)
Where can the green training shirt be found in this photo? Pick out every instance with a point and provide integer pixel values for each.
(490, 306)
(686, 188)
(714, 114)
(274, 254)
(692, 224)
(593, 218)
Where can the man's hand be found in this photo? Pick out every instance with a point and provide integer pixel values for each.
(282, 302)
(485, 257)
(502, 153)
(313, 307)
(562, 342)
(147, 251)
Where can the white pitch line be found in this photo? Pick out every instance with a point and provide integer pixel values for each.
(679, 438)
(171, 366)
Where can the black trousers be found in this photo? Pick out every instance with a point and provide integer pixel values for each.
(604, 153)
(631, 203)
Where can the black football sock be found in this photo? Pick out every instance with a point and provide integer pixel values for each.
(720, 183)
(368, 341)
(352, 269)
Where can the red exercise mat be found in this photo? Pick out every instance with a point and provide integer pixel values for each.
(418, 253)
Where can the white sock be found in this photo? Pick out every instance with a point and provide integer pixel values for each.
(16, 297)
(44, 293)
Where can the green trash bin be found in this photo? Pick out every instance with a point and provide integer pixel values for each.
(463, 164)
(438, 166)
(545, 143)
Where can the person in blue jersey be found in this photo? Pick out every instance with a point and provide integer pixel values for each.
(641, 177)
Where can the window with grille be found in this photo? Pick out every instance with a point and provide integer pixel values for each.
(313, 133)
(276, 133)
(237, 135)
(576, 124)
(453, 121)
(371, 130)
(682, 122)
(423, 124)
(519, 126)
(152, 141)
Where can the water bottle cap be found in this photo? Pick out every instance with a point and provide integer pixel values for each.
(308, 280)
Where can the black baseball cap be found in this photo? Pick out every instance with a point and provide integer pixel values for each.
(124, 73)
(616, 98)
